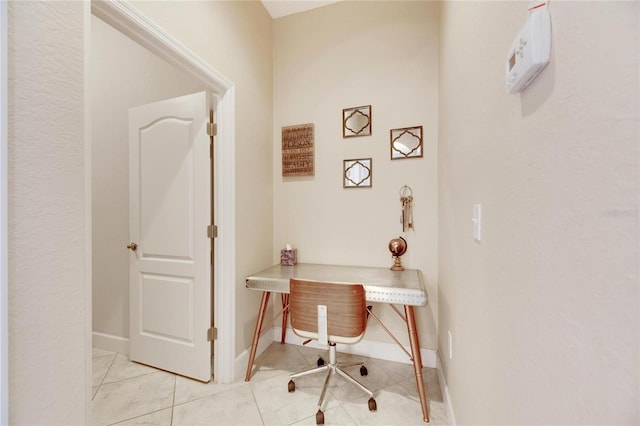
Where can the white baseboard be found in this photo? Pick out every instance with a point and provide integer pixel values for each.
(370, 348)
(373, 349)
(240, 367)
(109, 342)
(445, 395)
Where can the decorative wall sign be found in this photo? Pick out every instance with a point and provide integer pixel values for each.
(406, 143)
(298, 150)
(357, 173)
(356, 121)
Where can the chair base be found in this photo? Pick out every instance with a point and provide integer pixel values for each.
(331, 369)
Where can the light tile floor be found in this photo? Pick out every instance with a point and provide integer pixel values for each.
(126, 393)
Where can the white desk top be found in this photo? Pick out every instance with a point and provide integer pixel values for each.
(380, 284)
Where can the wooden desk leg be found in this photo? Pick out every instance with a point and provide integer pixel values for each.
(417, 360)
(256, 334)
(285, 315)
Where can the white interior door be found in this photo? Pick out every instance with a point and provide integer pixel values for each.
(170, 202)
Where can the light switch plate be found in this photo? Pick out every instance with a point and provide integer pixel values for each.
(477, 222)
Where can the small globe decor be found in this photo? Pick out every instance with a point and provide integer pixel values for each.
(397, 247)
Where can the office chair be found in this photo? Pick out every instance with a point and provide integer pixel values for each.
(329, 313)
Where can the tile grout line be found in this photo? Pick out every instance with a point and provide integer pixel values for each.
(173, 401)
(136, 417)
(255, 401)
(134, 377)
(125, 378)
(115, 356)
(207, 396)
(341, 405)
(105, 375)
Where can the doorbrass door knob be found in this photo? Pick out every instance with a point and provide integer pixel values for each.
(132, 246)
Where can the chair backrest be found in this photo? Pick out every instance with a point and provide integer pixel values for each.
(346, 309)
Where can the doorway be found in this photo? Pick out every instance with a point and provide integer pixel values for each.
(199, 76)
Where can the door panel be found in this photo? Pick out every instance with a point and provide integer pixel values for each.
(170, 201)
(163, 299)
(166, 193)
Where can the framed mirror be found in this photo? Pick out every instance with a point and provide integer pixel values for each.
(357, 173)
(356, 121)
(406, 143)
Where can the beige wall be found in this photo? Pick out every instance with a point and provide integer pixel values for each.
(117, 65)
(544, 311)
(235, 39)
(344, 55)
(49, 349)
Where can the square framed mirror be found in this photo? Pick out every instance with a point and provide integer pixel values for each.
(406, 143)
(357, 173)
(356, 121)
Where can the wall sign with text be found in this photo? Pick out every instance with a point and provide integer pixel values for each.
(298, 150)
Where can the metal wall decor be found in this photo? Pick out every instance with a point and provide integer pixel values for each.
(406, 143)
(356, 121)
(298, 150)
(406, 199)
(357, 173)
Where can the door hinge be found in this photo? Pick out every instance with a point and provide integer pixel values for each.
(212, 334)
(212, 129)
(212, 231)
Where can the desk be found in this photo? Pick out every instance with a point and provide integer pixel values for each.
(381, 285)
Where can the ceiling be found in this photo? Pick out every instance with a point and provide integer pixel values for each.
(280, 8)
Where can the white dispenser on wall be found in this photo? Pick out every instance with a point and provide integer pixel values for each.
(531, 50)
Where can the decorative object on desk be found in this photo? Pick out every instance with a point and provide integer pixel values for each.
(406, 143)
(357, 173)
(298, 150)
(406, 198)
(356, 121)
(397, 247)
(288, 256)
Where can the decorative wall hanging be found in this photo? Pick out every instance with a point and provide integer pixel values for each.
(298, 150)
(356, 121)
(406, 143)
(406, 199)
(357, 173)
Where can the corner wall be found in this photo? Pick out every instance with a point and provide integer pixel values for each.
(345, 55)
(544, 310)
(48, 257)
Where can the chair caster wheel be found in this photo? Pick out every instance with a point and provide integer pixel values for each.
(291, 386)
(363, 371)
(319, 418)
(320, 362)
(372, 405)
